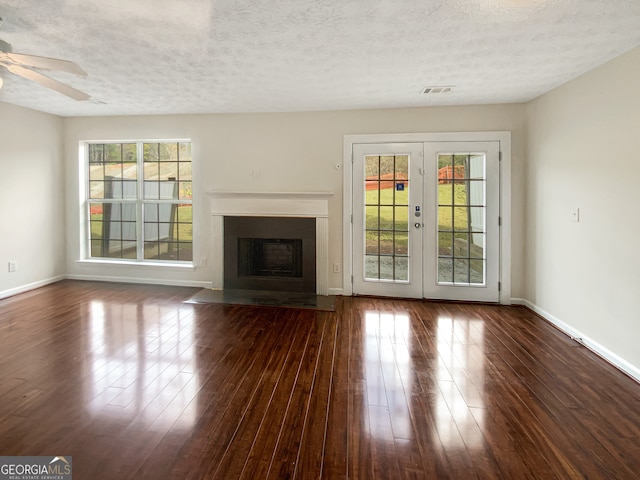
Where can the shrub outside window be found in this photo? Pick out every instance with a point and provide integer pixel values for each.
(139, 201)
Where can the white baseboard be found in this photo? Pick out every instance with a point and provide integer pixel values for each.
(336, 291)
(31, 286)
(578, 336)
(144, 280)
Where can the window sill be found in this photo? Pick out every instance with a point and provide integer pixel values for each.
(134, 263)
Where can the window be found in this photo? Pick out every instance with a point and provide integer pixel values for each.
(139, 201)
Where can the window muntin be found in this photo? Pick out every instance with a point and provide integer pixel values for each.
(148, 220)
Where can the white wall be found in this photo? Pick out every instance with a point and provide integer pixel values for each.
(32, 198)
(583, 152)
(279, 151)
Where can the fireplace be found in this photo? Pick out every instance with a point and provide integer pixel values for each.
(270, 253)
(312, 206)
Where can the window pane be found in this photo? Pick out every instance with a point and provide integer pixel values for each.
(184, 152)
(372, 239)
(401, 219)
(460, 189)
(402, 268)
(96, 153)
(184, 191)
(113, 170)
(445, 270)
(151, 250)
(113, 152)
(185, 232)
(460, 169)
(386, 218)
(151, 170)
(386, 268)
(96, 189)
(96, 172)
(168, 152)
(129, 189)
(129, 153)
(476, 166)
(445, 244)
(461, 271)
(151, 232)
(185, 251)
(185, 213)
(401, 243)
(476, 275)
(168, 171)
(371, 221)
(461, 245)
(185, 171)
(445, 219)
(371, 270)
(461, 218)
(168, 190)
(372, 167)
(150, 152)
(113, 230)
(386, 243)
(476, 248)
(445, 193)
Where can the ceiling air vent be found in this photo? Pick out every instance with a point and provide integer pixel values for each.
(433, 90)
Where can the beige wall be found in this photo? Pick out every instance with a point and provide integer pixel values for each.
(280, 151)
(580, 142)
(583, 144)
(32, 198)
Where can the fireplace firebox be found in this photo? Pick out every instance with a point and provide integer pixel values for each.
(270, 257)
(270, 253)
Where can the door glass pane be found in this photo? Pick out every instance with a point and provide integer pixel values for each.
(386, 212)
(401, 244)
(461, 218)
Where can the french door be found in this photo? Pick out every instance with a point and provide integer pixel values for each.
(426, 220)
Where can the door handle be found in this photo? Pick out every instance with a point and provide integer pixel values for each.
(417, 225)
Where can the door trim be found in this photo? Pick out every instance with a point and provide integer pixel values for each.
(504, 139)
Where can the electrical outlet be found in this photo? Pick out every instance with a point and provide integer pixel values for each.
(13, 265)
(336, 268)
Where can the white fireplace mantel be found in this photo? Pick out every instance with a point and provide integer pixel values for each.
(272, 204)
(257, 204)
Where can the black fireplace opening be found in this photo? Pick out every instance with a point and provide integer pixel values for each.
(270, 257)
(270, 253)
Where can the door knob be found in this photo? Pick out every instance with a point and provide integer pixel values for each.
(417, 225)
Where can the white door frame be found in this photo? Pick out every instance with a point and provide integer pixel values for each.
(504, 139)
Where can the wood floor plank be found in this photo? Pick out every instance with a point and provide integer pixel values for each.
(313, 443)
(134, 383)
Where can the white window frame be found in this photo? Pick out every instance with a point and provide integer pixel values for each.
(85, 201)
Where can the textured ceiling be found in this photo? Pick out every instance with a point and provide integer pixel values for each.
(205, 56)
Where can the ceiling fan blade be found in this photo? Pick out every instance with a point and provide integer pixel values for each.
(48, 82)
(45, 62)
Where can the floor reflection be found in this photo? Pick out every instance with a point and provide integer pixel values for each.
(459, 407)
(388, 373)
(142, 364)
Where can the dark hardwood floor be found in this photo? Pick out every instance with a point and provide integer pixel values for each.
(135, 384)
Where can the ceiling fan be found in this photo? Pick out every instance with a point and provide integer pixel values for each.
(22, 65)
